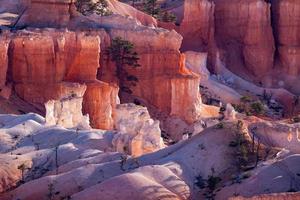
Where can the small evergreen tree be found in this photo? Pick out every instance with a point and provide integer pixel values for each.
(122, 53)
(152, 8)
(167, 17)
(87, 7)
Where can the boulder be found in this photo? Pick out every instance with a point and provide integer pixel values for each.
(138, 134)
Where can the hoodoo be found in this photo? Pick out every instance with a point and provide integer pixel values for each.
(149, 99)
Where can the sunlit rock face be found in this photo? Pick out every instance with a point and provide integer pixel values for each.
(138, 134)
(45, 58)
(163, 80)
(48, 65)
(99, 102)
(67, 112)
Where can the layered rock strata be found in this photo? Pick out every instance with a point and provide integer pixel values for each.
(42, 60)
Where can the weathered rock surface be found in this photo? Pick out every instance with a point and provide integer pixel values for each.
(276, 196)
(99, 102)
(197, 24)
(67, 112)
(247, 27)
(287, 28)
(138, 133)
(49, 65)
(86, 168)
(40, 58)
(38, 13)
(163, 80)
(3, 60)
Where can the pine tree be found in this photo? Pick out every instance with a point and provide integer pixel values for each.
(122, 53)
(152, 8)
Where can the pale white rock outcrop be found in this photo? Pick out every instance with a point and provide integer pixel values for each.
(230, 113)
(138, 134)
(67, 113)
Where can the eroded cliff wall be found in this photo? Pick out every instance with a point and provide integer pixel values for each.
(256, 39)
(44, 62)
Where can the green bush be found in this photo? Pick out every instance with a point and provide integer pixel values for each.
(88, 7)
(257, 108)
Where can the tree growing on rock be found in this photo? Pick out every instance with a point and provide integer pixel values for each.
(123, 54)
(87, 7)
(152, 8)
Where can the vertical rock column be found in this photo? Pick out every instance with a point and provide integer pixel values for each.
(54, 65)
(286, 14)
(4, 42)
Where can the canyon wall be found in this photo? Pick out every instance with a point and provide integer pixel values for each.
(49, 64)
(163, 80)
(244, 32)
(196, 26)
(45, 63)
(3, 61)
(286, 16)
(256, 39)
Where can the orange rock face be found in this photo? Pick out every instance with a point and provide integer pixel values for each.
(163, 80)
(99, 101)
(243, 30)
(42, 61)
(3, 60)
(51, 64)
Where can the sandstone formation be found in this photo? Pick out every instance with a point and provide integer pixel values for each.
(67, 113)
(197, 24)
(99, 102)
(47, 58)
(256, 39)
(85, 163)
(247, 25)
(163, 80)
(49, 64)
(138, 133)
(287, 29)
(3, 61)
(276, 196)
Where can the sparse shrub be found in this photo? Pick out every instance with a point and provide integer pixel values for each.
(267, 96)
(220, 125)
(257, 108)
(51, 193)
(152, 8)
(167, 17)
(22, 168)
(213, 181)
(245, 99)
(249, 107)
(87, 7)
(296, 119)
(209, 185)
(200, 182)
